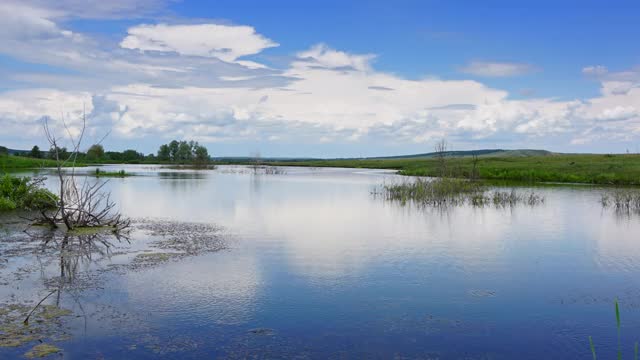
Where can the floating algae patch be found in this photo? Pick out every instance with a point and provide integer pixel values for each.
(90, 230)
(171, 241)
(184, 237)
(42, 350)
(46, 322)
(50, 312)
(150, 259)
(482, 293)
(262, 331)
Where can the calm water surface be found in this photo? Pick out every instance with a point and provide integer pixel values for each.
(317, 267)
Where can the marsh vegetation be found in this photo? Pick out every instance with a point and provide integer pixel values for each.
(451, 192)
(622, 200)
(118, 174)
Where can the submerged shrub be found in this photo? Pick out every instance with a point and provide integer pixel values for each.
(24, 193)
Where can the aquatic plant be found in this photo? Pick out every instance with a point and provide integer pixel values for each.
(447, 191)
(274, 170)
(42, 350)
(619, 352)
(47, 324)
(431, 192)
(621, 200)
(102, 173)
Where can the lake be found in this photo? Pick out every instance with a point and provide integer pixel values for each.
(309, 264)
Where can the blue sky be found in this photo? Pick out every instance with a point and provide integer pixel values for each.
(324, 78)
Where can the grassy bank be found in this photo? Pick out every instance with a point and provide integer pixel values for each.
(10, 162)
(573, 168)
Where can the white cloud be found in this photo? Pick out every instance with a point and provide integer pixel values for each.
(496, 69)
(21, 22)
(333, 105)
(95, 9)
(617, 87)
(322, 56)
(618, 113)
(194, 81)
(225, 42)
(595, 70)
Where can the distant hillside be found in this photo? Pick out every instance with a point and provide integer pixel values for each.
(466, 153)
(483, 152)
(18, 152)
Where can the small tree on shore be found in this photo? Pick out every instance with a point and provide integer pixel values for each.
(164, 153)
(35, 152)
(201, 155)
(184, 152)
(95, 152)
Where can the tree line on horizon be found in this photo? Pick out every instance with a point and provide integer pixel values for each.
(175, 152)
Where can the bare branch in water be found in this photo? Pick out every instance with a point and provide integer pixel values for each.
(83, 205)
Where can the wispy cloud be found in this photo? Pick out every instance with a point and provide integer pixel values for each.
(595, 70)
(497, 69)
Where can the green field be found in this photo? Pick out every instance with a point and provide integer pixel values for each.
(565, 168)
(619, 169)
(10, 162)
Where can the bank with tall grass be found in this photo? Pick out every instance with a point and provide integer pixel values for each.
(619, 169)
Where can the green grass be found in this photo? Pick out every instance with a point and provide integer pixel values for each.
(564, 168)
(10, 162)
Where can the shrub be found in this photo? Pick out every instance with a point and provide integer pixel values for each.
(24, 193)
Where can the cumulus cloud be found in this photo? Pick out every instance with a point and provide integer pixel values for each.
(496, 69)
(618, 113)
(322, 56)
(199, 81)
(21, 22)
(225, 42)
